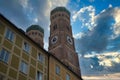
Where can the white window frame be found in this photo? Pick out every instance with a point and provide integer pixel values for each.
(39, 75)
(24, 67)
(26, 47)
(4, 55)
(9, 35)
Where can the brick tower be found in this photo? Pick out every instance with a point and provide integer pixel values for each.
(61, 41)
(36, 33)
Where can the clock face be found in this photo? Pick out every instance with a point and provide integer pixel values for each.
(69, 40)
(54, 39)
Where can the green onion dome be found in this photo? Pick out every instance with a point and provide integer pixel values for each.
(63, 9)
(35, 27)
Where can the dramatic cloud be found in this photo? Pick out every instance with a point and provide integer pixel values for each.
(100, 63)
(86, 16)
(117, 21)
(98, 38)
(78, 35)
(12, 10)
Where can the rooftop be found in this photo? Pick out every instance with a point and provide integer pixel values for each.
(35, 27)
(60, 9)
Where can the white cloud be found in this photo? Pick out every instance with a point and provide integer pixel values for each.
(86, 15)
(78, 35)
(26, 5)
(110, 5)
(107, 59)
(51, 4)
(46, 45)
(23, 3)
(35, 20)
(116, 16)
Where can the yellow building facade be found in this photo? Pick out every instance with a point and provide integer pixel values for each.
(20, 57)
(23, 59)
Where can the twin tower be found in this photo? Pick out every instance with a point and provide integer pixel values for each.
(61, 41)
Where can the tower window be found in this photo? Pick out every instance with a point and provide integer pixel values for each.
(57, 69)
(55, 27)
(35, 33)
(53, 17)
(9, 35)
(32, 33)
(67, 28)
(29, 33)
(59, 15)
(4, 55)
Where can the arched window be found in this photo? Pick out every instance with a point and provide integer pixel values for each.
(55, 27)
(59, 14)
(35, 33)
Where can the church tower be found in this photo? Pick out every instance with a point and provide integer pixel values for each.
(36, 33)
(61, 41)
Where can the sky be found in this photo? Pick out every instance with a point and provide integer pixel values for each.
(95, 26)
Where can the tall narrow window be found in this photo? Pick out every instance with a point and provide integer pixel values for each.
(67, 77)
(4, 55)
(39, 75)
(41, 58)
(67, 28)
(57, 69)
(9, 35)
(24, 67)
(2, 77)
(55, 27)
(26, 47)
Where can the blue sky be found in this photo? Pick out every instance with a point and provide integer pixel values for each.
(95, 24)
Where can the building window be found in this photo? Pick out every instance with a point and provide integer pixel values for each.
(53, 17)
(29, 34)
(39, 75)
(40, 35)
(9, 35)
(35, 33)
(59, 14)
(67, 28)
(55, 27)
(4, 55)
(41, 58)
(57, 69)
(2, 77)
(26, 47)
(24, 67)
(67, 77)
(32, 33)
